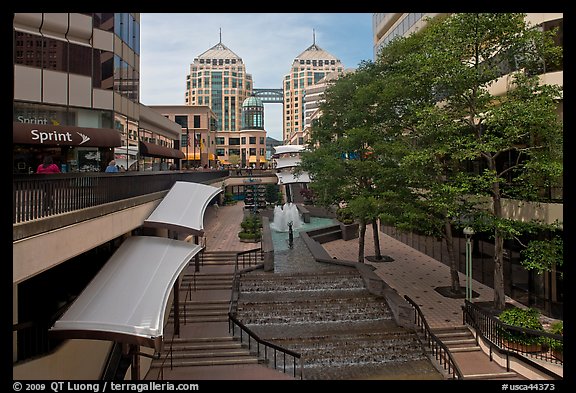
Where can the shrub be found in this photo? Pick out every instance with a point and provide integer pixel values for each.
(344, 215)
(523, 318)
(556, 345)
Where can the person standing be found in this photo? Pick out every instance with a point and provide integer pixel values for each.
(48, 166)
(111, 168)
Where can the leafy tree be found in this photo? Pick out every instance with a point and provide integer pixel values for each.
(346, 156)
(468, 53)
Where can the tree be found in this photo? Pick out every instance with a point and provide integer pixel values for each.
(468, 53)
(346, 157)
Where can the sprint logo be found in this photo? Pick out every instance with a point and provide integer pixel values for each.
(85, 138)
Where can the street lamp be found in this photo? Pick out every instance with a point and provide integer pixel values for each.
(468, 232)
(187, 144)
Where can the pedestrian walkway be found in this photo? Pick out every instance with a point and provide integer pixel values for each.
(412, 273)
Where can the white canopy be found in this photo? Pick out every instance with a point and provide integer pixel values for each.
(287, 162)
(182, 209)
(288, 149)
(127, 299)
(288, 178)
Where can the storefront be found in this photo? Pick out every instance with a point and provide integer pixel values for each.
(159, 158)
(74, 149)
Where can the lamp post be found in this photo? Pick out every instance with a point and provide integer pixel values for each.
(468, 232)
(187, 144)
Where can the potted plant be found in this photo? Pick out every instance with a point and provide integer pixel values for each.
(522, 318)
(556, 346)
(229, 199)
(348, 226)
(251, 229)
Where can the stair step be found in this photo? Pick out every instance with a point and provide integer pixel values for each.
(203, 313)
(210, 355)
(453, 334)
(504, 375)
(210, 362)
(197, 348)
(465, 349)
(205, 339)
(459, 342)
(193, 319)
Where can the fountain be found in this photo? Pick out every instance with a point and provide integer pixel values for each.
(284, 215)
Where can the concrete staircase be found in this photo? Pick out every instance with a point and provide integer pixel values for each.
(204, 339)
(470, 358)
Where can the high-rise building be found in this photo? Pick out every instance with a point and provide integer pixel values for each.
(308, 68)
(219, 80)
(76, 95)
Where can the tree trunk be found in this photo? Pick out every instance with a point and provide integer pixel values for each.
(376, 236)
(499, 295)
(361, 241)
(454, 271)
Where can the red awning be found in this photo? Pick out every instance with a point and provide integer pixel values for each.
(153, 150)
(49, 135)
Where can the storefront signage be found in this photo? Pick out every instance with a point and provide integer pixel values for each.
(55, 136)
(52, 135)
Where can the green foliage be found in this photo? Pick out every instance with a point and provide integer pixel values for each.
(271, 194)
(229, 198)
(543, 255)
(344, 215)
(556, 345)
(251, 227)
(524, 318)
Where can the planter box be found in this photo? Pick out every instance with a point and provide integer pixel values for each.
(558, 354)
(349, 231)
(249, 240)
(525, 348)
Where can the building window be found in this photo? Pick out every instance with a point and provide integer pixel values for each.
(196, 121)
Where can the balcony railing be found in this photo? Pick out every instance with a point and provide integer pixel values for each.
(40, 196)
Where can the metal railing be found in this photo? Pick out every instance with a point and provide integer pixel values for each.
(268, 350)
(265, 347)
(440, 351)
(531, 344)
(39, 196)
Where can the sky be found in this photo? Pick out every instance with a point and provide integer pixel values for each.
(266, 42)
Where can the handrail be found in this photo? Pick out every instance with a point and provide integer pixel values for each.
(492, 330)
(252, 255)
(439, 349)
(168, 354)
(233, 321)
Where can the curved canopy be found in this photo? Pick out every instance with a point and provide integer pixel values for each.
(288, 178)
(113, 307)
(288, 149)
(182, 209)
(287, 162)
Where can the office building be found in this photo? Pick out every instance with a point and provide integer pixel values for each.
(76, 95)
(308, 68)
